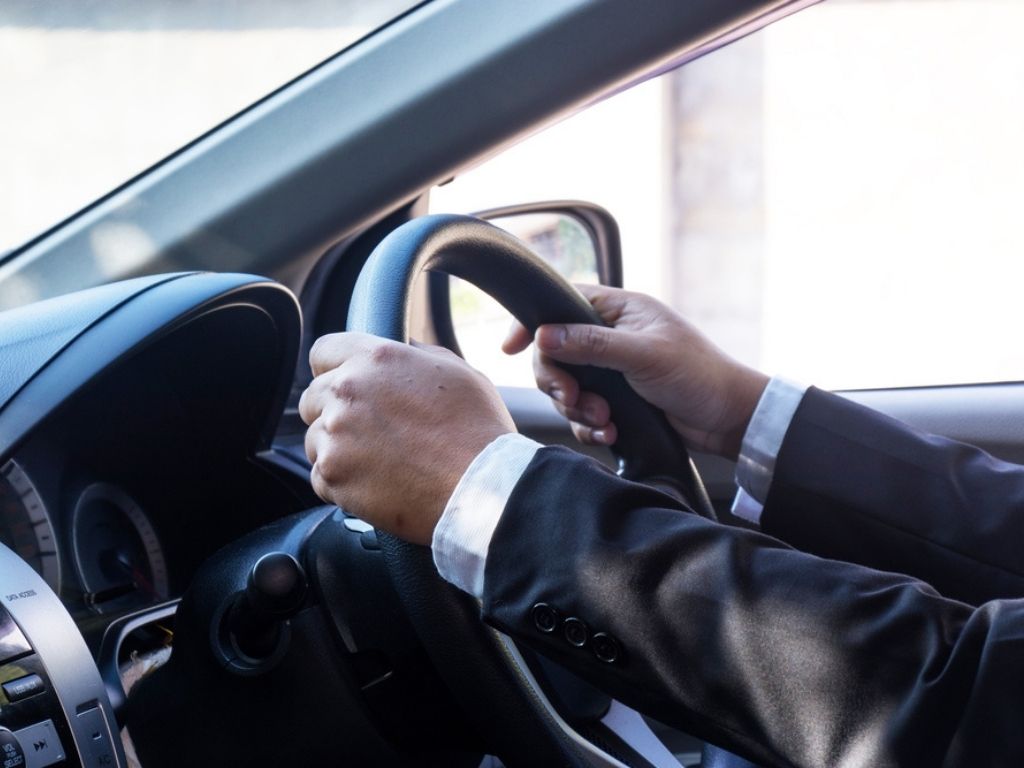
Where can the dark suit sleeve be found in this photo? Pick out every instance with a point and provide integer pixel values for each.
(855, 485)
(775, 654)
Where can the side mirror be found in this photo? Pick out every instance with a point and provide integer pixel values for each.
(575, 237)
(579, 239)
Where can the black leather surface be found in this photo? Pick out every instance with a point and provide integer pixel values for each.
(52, 349)
(32, 335)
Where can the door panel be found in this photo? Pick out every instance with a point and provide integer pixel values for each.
(536, 417)
(990, 416)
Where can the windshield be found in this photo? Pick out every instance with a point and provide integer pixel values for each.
(94, 93)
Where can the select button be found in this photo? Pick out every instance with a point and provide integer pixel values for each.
(23, 687)
(11, 753)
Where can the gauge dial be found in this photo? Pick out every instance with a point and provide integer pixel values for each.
(25, 526)
(117, 553)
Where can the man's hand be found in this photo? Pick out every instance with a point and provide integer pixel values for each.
(707, 396)
(392, 428)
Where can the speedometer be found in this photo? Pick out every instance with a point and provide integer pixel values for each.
(24, 525)
(117, 552)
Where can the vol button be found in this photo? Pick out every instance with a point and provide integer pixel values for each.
(11, 753)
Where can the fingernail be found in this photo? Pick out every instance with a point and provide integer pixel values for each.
(600, 435)
(557, 394)
(551, 337)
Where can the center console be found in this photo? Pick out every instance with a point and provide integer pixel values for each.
(54, 709)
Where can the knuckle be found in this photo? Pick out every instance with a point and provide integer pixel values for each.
(309, 443)
(575, 415)
(446, 353)
(329, 467)
(593, 339)
(320, 486)
(333, 422)
(316, 352)
(304, 411)
(383, 354)
(541, 370)
(344, 388)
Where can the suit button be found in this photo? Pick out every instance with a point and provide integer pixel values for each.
(605, 647)
(576, 632)
(545, 618)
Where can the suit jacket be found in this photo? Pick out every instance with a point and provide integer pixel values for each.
(776, 653)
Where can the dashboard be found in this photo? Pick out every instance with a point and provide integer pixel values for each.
(118, 496)
(171, 591)
(114, 557)
(157, 523)
(135, 427)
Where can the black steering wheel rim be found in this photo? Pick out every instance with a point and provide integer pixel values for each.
(519, 724)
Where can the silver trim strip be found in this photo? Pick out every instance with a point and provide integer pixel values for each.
(59, 645)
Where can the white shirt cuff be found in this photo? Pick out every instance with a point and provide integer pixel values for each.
(463, 534)
(761, 443)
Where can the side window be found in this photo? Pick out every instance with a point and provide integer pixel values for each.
(611, 155)
(833, 199)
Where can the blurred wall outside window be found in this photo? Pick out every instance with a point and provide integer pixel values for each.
(834, 199)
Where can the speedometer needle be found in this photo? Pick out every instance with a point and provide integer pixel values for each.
(139, 579)
(110, 593)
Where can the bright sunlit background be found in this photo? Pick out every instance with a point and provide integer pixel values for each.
(834, 199)
(95, 91)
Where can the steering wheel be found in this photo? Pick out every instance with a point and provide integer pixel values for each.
(483, 667)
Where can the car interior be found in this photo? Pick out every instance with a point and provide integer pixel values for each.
(174, 592)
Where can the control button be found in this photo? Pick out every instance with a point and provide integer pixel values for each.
(369, 540)
(356, 525)
(41, 744)
(545, 618)
(11, 753)
(605, 647)
(94, 739)
(24, 687)
(576, 632)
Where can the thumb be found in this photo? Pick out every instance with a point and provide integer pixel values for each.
(591, 345)
(518, 339)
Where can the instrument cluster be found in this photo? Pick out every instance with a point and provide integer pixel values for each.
(95, 546)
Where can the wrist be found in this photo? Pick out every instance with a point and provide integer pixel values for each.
(462, 536)
(464, 454)
(747, 388)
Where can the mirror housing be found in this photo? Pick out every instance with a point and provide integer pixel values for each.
(598, 224)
